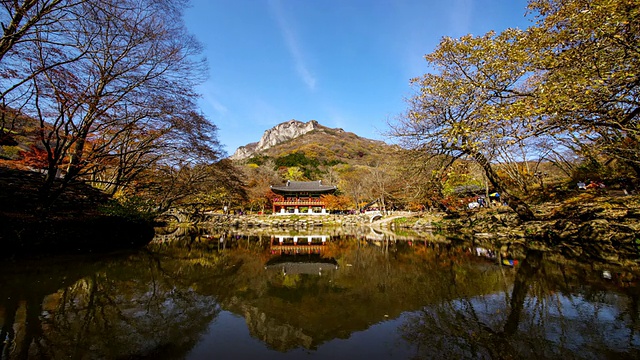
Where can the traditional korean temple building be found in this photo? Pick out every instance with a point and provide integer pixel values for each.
(301, 197)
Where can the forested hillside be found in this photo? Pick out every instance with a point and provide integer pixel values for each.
(331, 155)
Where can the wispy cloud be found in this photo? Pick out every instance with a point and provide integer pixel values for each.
(292, 44)
(211, 100)
(217, 106)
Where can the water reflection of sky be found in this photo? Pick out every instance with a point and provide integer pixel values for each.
(567, 320)
(581, 316)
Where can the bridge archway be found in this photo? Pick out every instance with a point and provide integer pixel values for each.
(178, 215)
(168, 218)
(374, 216)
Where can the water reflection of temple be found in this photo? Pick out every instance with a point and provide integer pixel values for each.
(296, 244)
(300, 254)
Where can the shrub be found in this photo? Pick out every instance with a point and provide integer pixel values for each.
(134, 209)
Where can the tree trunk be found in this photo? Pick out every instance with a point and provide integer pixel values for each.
(525, 275)
(7, 333)
(520, 207)
(486, 193)
(33, 326)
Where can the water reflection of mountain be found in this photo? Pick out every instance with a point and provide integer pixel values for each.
(301, 310)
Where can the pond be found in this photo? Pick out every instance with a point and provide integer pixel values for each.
(326, 293)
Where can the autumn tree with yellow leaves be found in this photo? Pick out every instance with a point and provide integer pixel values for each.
(570, 80)
(471, 107)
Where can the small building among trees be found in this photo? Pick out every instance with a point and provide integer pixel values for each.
(301, 197)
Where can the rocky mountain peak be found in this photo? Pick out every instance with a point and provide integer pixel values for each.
(276, 135)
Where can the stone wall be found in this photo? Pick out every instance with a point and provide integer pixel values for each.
(294, 221)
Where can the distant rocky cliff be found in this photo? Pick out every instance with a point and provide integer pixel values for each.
(274, 136)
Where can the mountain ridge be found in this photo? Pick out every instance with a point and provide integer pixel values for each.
(271, 137)
(288, 131)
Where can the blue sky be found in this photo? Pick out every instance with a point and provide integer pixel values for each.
(345, 63)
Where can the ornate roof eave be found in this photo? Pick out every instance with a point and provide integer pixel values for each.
(304, 186)
(285, 190)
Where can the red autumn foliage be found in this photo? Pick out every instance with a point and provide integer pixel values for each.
(34, 158)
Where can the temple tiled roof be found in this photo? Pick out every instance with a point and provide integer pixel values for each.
(308, 264)
(303, 186)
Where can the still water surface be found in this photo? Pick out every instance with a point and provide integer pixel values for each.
(326, 294)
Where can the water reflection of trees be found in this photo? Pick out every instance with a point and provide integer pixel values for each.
(552, 310)
(158, 302)
(137, 305)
